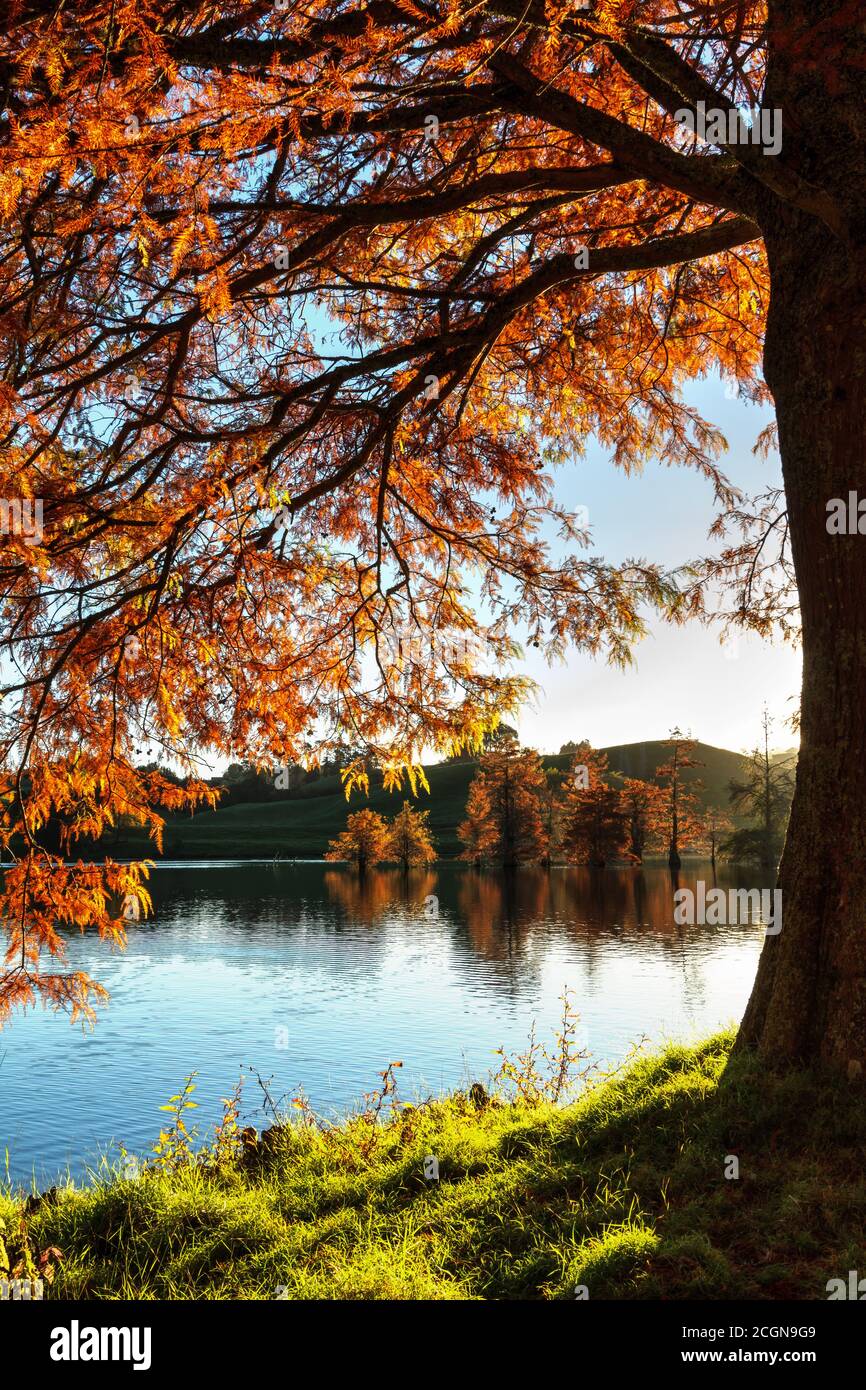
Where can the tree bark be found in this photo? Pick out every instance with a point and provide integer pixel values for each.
(509, 852)
(809, 998)
(674, 860)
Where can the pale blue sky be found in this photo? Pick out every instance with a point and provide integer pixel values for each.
(681, 675)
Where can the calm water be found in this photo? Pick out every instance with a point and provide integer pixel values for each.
(313, 979)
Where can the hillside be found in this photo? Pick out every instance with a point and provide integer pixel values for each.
(301, 824)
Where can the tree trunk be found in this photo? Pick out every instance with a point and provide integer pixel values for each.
(509, 853)
(674, 860)
(767, 859)
(809, 998)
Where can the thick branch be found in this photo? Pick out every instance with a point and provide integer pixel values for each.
(715, 182)
(675, 85)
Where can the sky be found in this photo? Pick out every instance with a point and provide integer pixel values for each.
(681, 676)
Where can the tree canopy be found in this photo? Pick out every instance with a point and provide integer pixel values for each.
(300, 309)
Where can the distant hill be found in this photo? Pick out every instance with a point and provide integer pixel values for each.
(642, 760)
(300, 825)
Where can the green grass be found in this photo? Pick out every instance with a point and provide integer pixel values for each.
(623, 1192)
(301, 825)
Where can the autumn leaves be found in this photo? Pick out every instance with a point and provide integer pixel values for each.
(519, 812)
(369, 839)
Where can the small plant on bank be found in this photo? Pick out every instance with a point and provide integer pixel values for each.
(173, 1149)
(538, 1076)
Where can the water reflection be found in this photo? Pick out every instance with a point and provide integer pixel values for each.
(367, 898)
(316, 977)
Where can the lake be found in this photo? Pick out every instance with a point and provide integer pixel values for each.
(312, 978)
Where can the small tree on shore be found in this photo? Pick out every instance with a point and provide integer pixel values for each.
(595, 821)
(553, 813)
(764, 793)
(477, 831)
(410, 841)
(716, 828)
(643, 806)
(504, 810)
(364, 842)
(681, 815)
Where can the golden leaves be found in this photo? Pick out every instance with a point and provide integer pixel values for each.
(404, 381)
(214, 296)
(181, 244)
(394, 773)
(413, 11)
(355, 777)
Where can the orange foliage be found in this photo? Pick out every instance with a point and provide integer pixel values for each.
(643, 803)
(365, 841)
(296, 324)
(505, 808)
(680, 816)
(595, 820)
(410, 841)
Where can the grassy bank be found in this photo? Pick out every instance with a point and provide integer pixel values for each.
(623, 1192)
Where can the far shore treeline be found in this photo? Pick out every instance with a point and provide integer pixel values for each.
(731, 805)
